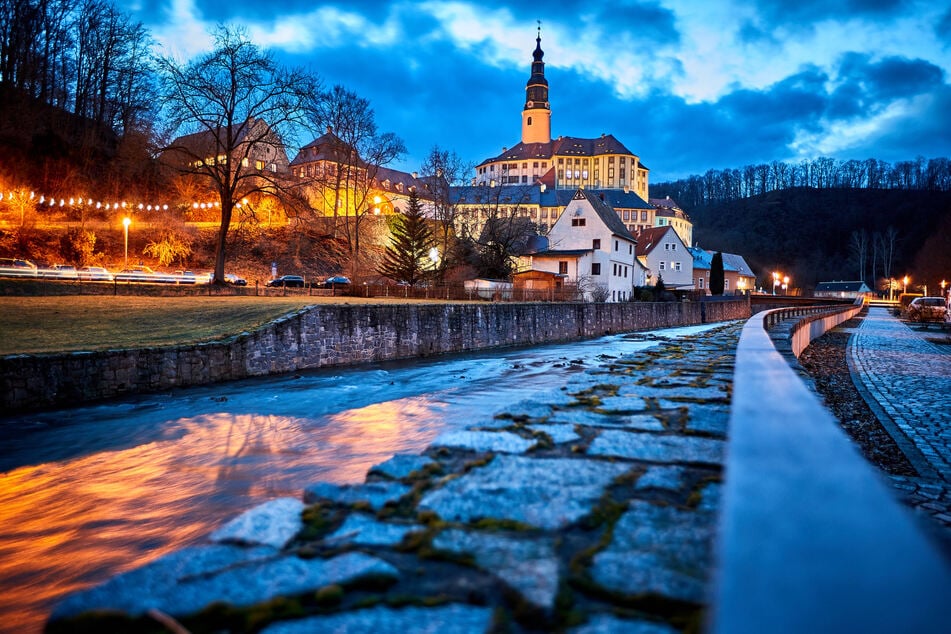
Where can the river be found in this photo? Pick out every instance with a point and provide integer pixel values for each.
(89, 492)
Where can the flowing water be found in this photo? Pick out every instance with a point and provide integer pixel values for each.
(90, 492)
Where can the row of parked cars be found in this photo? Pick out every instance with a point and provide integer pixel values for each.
(14, 267)
(296, 281)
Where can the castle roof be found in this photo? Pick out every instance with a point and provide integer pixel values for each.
(562, 146)
(533, 195)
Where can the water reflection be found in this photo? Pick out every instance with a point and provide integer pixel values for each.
(91, 492)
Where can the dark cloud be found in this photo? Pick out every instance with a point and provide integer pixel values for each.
(943, 29)
(638, 21)
(806, 12)
(890, 78)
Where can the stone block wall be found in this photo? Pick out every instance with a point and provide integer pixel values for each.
(332, 335)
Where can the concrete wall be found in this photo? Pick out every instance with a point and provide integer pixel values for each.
(811, 539)
(330, 335)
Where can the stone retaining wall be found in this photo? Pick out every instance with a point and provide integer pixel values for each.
(330, 335)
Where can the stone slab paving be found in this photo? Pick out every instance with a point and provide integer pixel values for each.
(906, 380)
(590, 509)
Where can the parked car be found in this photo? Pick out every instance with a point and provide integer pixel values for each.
(288, 281)
(336, 280)
(15, 267)
(186, 277)
(141, 273)
(94, 274)
(60, 272)
(235, 280)
(927, 309)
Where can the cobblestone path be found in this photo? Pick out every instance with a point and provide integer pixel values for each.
(906, 380)
(589, 509)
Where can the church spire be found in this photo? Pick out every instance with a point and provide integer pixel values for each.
(536, 116)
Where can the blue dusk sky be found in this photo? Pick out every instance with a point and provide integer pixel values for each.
(688, 85)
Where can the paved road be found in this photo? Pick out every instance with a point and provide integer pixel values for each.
(906, 380)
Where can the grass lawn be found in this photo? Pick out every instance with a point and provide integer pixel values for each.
(58, 324)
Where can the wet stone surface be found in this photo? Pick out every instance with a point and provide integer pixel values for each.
(590, 511)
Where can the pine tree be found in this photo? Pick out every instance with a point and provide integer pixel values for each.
(716, 274)
(407, 256)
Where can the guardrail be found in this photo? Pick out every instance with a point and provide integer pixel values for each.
(809, 322)
(811, 539)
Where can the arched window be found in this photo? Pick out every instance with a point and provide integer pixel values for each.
(529, 121)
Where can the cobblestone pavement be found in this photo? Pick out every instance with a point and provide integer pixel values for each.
(906, 380)
(589, 509)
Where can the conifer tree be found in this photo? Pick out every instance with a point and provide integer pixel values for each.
(716, 274)
(407, 256)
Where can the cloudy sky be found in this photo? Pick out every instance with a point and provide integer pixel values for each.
(688, 85)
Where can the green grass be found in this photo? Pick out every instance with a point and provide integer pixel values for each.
(58, 324)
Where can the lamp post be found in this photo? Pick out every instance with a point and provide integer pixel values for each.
(125, 224)
(785, 284)
(905, 282)
(775, 281)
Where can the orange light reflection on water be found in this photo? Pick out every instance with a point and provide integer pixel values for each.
(72, 524)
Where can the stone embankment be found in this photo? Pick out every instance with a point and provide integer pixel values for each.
(329, 335)
(592, 508)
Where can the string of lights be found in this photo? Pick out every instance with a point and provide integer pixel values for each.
(74, 202)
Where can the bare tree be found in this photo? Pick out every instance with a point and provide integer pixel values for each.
(350, 186)
(240, 107)
(442, 171)
(858, 247)
(496, 226)
(888, 242)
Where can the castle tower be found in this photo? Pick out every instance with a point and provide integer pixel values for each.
(536, 117)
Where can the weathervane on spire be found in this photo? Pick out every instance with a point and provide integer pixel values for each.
(539, 29)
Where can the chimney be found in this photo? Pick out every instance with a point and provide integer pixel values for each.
(415, 174)
(330, 129)
(492, 183)
(542, 187)
(627, 189)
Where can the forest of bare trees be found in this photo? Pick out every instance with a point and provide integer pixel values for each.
(822, 173)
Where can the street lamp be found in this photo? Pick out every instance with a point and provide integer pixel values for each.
(785, 283)
(125, 224)
(775, 281)
(905, 281)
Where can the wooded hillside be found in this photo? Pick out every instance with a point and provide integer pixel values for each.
(812, 234)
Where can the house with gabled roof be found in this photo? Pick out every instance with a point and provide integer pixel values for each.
(256, 146)
(664, 255)
(328, 165)
(843, 290)
(738, 277)
(589, 246)
(668, 212)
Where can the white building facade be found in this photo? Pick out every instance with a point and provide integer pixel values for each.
(590, 246)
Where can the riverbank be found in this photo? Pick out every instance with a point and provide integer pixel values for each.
(525, 521)
(333, 334)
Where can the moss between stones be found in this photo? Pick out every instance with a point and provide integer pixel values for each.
(320, 520)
